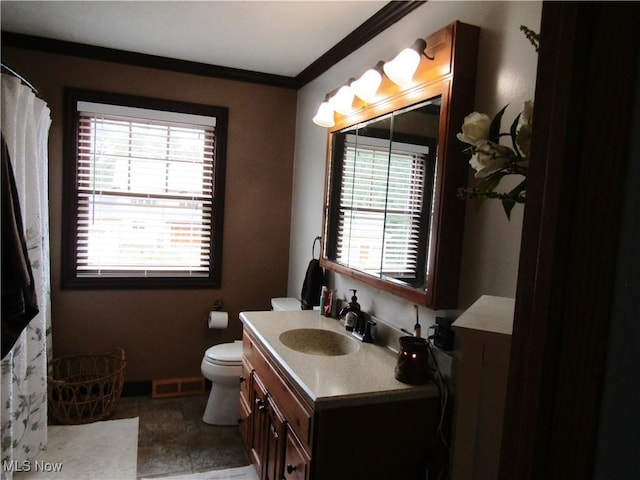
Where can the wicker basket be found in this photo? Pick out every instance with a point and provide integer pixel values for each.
(85, 388)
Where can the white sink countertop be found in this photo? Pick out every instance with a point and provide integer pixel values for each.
(364, 376)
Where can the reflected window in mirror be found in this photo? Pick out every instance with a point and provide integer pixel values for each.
(381, 213)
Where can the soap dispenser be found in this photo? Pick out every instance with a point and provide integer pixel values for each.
(351, 313)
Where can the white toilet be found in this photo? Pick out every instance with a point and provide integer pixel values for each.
(222, 365)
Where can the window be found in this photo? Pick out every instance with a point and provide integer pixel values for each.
(143, 193)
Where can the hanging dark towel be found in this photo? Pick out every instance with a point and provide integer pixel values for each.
(19, 303)
(312, 286)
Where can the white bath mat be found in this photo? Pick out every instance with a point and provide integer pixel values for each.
(241, 473)
(98, 451)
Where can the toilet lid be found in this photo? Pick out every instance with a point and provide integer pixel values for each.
(225, 353)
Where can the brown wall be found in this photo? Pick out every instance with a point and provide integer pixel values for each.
(164, 332)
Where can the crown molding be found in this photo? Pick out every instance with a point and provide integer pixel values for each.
(62, 47)
(377, 23)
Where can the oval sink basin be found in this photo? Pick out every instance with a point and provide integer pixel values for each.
(315, 341)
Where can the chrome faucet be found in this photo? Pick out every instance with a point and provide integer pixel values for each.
(366, 334)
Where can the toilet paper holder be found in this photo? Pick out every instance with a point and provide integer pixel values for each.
(218, 305)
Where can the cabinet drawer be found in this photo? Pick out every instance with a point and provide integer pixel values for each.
(295, 410)
(296, 458)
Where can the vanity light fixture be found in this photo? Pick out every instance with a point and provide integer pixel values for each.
(342, 101)
(324, 116)
(400, 70)
(366, 87)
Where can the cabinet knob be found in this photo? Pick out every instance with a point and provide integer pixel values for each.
(242, 379)
(261, 404)
(291, 468)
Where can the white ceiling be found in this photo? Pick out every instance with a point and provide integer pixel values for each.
(275, 37)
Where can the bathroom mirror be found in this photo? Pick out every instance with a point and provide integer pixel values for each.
(391, 215)
(384, 170)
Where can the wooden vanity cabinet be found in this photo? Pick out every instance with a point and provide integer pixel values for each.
(274, 412)
(288, 440)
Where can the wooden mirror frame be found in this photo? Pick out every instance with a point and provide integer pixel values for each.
(452, 76)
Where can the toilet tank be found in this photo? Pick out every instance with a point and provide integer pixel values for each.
(285, 303)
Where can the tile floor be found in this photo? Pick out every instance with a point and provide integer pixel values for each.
(173, 439)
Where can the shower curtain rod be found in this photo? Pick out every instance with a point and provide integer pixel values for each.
(11, 71)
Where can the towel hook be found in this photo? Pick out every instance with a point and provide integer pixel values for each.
(313, 249)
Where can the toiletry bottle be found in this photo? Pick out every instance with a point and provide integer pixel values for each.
(323, 297)
(328, 300)
(351, 321)
(334, 303)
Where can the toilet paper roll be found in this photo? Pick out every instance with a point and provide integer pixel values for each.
(218, 319)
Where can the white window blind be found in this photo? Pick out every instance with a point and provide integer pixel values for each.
(145, 192)
(381, 207)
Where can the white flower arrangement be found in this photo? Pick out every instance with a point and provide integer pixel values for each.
(493, 161)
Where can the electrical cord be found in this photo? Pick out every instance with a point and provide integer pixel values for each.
(444, 399)
(443, 393)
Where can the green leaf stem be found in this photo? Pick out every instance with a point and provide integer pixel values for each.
(494, 128)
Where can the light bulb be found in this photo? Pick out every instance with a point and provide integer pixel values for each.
(324, 116)
(342, 101)
(366, 87)
(401, 69)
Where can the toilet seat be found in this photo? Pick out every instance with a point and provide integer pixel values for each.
(225, 354)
